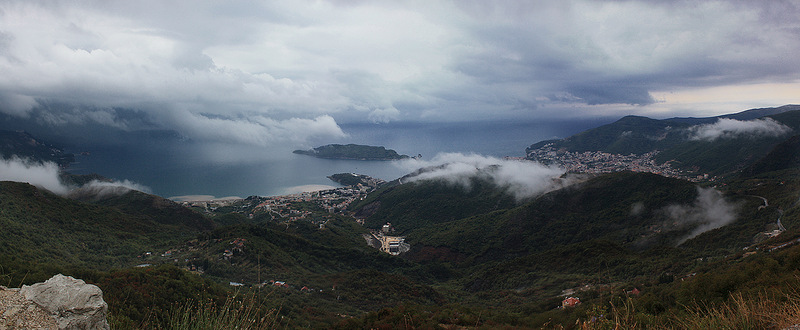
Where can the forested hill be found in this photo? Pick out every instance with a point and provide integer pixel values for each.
(41, 228)
(718, 145)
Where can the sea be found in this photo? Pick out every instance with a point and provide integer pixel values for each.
(183, 169)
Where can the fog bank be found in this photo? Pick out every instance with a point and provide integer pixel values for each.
(709, 211)
(522, 179)
(46, 176)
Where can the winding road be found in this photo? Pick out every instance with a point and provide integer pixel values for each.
(766, 203)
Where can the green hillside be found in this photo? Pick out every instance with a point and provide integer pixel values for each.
(624, 212)
(785, 155)
(422, 203)
(41, 228)
(631, 134)
(158, 209)
(725, 156)
(673, 139)
(44, 234)
(612, 231)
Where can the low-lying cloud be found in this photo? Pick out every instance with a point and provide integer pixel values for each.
(709, 211)
(46, 176)
(40, 175)
(522, 179)
(97, 190)
(726, 128)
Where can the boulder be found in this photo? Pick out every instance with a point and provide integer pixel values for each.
(73, 303)
(18, 313)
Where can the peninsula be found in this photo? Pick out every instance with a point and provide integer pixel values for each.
(352, 151)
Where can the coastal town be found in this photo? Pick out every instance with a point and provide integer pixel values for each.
(603, 162)
(318, 207)
(312, 205)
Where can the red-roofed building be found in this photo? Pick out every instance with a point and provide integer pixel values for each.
(570, 302)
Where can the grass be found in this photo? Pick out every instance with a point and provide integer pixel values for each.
(739, 312)
(236, 313)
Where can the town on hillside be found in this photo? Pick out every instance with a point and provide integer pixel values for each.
(603, 162)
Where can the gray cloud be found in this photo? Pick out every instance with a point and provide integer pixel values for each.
(611, 94)
(384, 115)
(194, 65)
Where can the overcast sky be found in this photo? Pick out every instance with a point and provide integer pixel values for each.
(264, 72)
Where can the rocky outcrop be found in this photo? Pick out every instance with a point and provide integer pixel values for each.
(62, 302)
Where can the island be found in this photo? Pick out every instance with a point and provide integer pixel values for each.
(352, 151)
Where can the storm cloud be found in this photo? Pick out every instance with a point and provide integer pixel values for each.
(253, 72)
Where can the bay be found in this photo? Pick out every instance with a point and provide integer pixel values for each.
(174, 167)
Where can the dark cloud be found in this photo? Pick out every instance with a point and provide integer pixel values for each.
(611, 93)
(252, 72)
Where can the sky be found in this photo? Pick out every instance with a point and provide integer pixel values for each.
(261, 73)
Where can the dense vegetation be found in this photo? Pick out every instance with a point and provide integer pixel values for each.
(352, 151)
(41, 227)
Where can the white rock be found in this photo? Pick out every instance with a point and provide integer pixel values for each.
(74, 304)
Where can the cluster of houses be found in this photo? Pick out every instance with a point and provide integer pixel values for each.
(211, 205)
(237, 246)
(280, 206)
(277, 284)
(603, 162)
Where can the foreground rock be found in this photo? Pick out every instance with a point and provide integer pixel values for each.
(62, 302)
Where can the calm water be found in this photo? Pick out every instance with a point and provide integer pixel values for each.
(170, 167)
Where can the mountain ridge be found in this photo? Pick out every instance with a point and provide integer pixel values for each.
(680, 142)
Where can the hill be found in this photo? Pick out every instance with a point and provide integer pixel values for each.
(718, 145)
(631, 134)
(41, 228)
(102, 240)
(612, 232)
(352, 151)
(24, 145)
(785, 155)
(418, 204)
(625, 212)
(744, 115)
